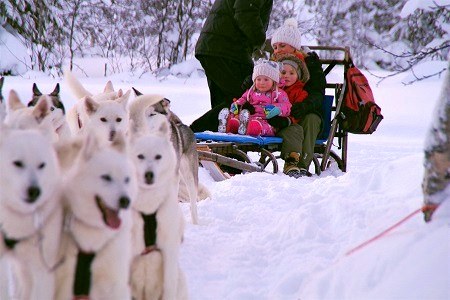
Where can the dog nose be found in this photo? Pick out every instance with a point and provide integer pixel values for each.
(33, 193)
(112, 134)
(124, 202)
(149, 177)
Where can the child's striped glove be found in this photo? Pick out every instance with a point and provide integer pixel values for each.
(234, 108)
(271, 111)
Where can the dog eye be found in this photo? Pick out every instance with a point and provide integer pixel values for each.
(107, 178)
(127, 179)
(52, 108)
(158, 157)
(103, 119)
(152, 114)
(18, 163)
(41, 166)
(141, 156)
(119, 120)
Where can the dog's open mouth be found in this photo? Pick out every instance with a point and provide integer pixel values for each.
(110, 216)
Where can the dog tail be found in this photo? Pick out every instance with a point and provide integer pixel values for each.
(75, 85)
(203, 192)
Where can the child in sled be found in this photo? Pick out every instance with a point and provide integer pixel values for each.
(264, 100)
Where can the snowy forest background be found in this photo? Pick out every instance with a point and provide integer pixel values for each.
(141, 36)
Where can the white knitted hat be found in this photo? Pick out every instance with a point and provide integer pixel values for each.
(288, 34)
(267, 68)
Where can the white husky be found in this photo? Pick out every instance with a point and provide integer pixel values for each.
(30, 213)
(105, 112)
(22, 117)
(99, 190)
(146, 114)
(158, 220)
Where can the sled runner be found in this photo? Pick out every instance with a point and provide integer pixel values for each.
(224, 154)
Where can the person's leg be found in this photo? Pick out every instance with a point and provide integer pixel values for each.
(311, 124)
(292, 139)
(225, 78)
(291, 149)
(267, 129)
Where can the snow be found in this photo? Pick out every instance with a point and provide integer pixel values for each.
(266, 236)
(13, 54)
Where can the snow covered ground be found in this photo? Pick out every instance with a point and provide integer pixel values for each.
(264, 236)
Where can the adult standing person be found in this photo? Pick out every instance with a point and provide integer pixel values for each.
(233, 30)
(299, 139)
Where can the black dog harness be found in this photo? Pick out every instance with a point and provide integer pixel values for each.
(150, 226)
(82, 282)
(9, 243)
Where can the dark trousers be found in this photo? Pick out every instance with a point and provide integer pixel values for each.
(225, 78)
(301, 138)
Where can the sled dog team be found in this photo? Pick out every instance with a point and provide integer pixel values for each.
(89, 198)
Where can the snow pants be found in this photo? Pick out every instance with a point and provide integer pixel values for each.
(301, 138)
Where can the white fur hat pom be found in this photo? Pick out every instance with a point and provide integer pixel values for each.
(288, 34)
(291, 22)
(267, 68)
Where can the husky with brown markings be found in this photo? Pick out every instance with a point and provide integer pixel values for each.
(183, 141)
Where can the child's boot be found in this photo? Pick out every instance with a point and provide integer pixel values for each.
(291, 165)
(233, 124)
(244, 115)
(254, 128)
(223, 116)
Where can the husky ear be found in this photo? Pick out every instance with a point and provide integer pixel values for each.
(137, 92)
(41, 110)
(165, 103)
(14, 102)
(124, 98)
(36, 91)
(108, 87)
(90, 105)
(119, 143)
(55, 92)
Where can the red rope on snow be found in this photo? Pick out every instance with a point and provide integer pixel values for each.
(383, 232)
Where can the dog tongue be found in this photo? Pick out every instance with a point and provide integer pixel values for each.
(112, 218)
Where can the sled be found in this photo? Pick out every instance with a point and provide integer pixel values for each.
(225, 155)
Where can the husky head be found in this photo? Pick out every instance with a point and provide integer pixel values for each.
(102, 184)
(107, 118)
(30, 173)
(21, 117)
(53, 99)
(154, 157)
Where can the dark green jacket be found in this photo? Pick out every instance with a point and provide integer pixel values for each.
(234, 29)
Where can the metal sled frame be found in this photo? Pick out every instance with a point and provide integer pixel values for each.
(225, 154)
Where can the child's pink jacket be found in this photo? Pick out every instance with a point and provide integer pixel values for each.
(277, 97)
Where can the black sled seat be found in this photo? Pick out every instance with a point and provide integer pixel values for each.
(226, 154)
